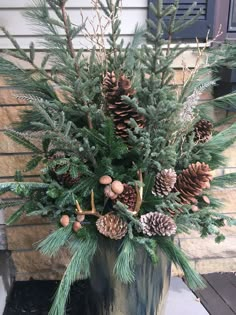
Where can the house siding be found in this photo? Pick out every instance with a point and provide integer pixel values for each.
(133, 13)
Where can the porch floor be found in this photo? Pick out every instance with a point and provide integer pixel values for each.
(218, 298)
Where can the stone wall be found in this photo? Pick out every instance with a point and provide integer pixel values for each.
(205, 255)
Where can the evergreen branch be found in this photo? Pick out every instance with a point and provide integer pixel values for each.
(223, 136)
(224, 180)
(175, 254)
(124, 268)
(21, 187)
(33, 163)
(55, 241)
(78, 268)
(123, 210)
(39, 106)
(24, 209)
(150, 246)
(20, 139)
(10, 203)
(16, 215)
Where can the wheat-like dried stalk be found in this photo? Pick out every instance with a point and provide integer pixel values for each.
(187, 113)
(99, 24)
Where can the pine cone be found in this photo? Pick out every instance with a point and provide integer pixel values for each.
(203, 131)
(128, 197)
(156, 223)
(164, 182)
(63, 179)
(122, 113)
(192, 181)
(67, 180)
(112, 226)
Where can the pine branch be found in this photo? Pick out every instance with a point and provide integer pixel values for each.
(55, 241)
(124, 268)
(22, 187)
(174, 253)
(20, 139)
(150, 246)
(78, 268)
(228, 180)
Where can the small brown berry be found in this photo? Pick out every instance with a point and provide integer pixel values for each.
(117, 187)
(195, 208)
(80, 217)
(206, 199)
(105, 180)
(65, 220)
(76, 226)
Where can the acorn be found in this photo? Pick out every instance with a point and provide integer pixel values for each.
(109, 193)
(206, 199)
(65, 220)
(76, 226)
(117, 187)
(80, 217)
(195, 208)
(105, 180)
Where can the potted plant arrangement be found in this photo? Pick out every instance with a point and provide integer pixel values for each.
(126, 159)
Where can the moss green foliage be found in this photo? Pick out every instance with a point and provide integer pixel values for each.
(76, 137)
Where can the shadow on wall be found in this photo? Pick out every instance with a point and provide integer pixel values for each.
(5, 278)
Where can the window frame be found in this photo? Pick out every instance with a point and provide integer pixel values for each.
(200, 28)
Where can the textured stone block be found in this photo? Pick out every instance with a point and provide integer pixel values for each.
(208, 249)
(10, 163)
(180, 77)
(34, 262)
(43, 275)
(9, 115)
(205, 266)
(187, 58)
(218, 172)
(229, 170)
(3, 81)
(10, 96)
(230, 154)
(26, 237)
(9, 146)
(228, 197)
(177, 272)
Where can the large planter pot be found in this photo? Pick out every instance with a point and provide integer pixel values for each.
(146, 296)
(226, 83)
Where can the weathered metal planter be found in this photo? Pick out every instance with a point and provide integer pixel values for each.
(146, 296)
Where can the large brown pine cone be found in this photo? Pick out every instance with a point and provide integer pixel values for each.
(156, 223)
(203, 131)
(164, 182)
(191, 182)
(112, 226)
(128, 197)
(114, 89)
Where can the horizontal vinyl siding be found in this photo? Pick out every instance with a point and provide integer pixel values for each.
(133, 13)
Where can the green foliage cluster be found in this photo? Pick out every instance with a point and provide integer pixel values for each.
(77, 135)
